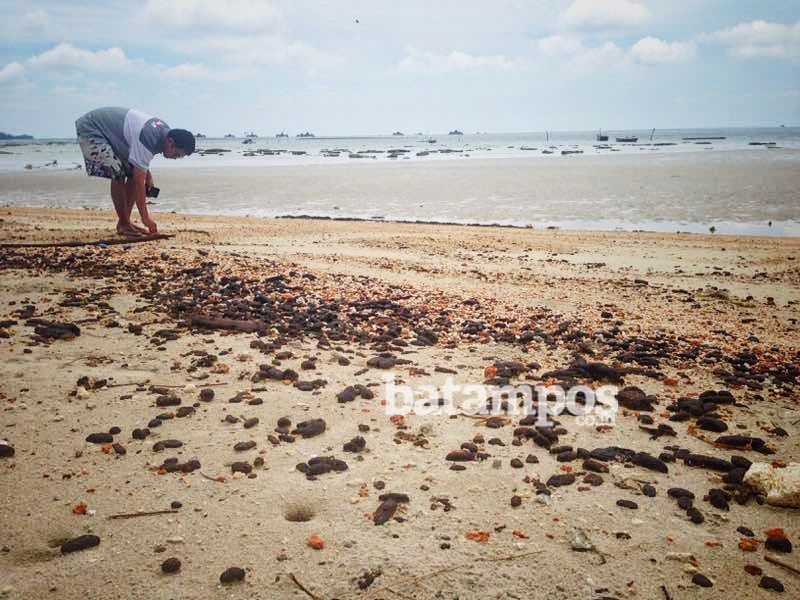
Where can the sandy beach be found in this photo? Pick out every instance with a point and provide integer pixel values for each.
(203, 363)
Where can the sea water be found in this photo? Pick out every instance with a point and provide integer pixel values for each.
(740, 181)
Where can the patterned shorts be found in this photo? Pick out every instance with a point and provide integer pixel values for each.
(101, 160)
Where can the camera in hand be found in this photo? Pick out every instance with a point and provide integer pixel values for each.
(152, 192)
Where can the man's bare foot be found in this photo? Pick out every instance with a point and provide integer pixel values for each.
(129, 231)
(142, 230)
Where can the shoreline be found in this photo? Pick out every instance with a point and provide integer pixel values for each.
(303, 319)
(741, 194)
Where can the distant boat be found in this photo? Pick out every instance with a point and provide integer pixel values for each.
(430, 140)
(456, 132)
(199, 135)
(305, 135)
(281, 134)
(628, 138)
(398, 133)
(229, 135)
(601, 137)
(250, 135)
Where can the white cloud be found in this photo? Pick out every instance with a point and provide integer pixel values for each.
(569, 52)
(68, 56)
(187, 71)
(653, 51)
(35, 21)
(759, 39)
(419, 61)
(600, 14)
(560, 46)
(231, 15)
(249, 53)
(563, 51)
(11, 71)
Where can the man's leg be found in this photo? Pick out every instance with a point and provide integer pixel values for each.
(131, 202)
(123, 205)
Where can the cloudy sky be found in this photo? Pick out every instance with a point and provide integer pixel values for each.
(341, 67)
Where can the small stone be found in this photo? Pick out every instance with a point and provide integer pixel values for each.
(754, 570)
(778, 544)
(593, 479)
(168, 401)
(242, 446)
(695, 516)
(702, 581)
(676, 492)
(627, 504)
(82, 542)
(140, 434)
(460, 455)
(561, 479)
(580, 542)
(6, 449)
(595, 466)
(171, 565)
(231, 575)
(206, 394)
(770, 583)
(649, 490)
(100, 438)
(516, 500)
(310, 428)
(241, 467)
(357, 444)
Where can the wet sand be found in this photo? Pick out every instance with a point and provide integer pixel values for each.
(737, 192)
(331, 302)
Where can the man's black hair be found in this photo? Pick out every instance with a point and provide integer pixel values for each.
(183, 139)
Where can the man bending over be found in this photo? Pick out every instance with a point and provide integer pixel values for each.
(118, 144)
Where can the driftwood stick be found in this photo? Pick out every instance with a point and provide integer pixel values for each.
(200, 320)
(75, 244)
(303, 588)
(777, 561)
(418, 578)
(150, 513)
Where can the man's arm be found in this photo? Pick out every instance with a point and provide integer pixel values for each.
(140, 179)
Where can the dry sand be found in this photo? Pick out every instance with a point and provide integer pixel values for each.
(690, 304)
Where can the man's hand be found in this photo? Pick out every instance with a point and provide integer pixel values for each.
(151, 225)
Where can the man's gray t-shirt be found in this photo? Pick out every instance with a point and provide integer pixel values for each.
(134, 136)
